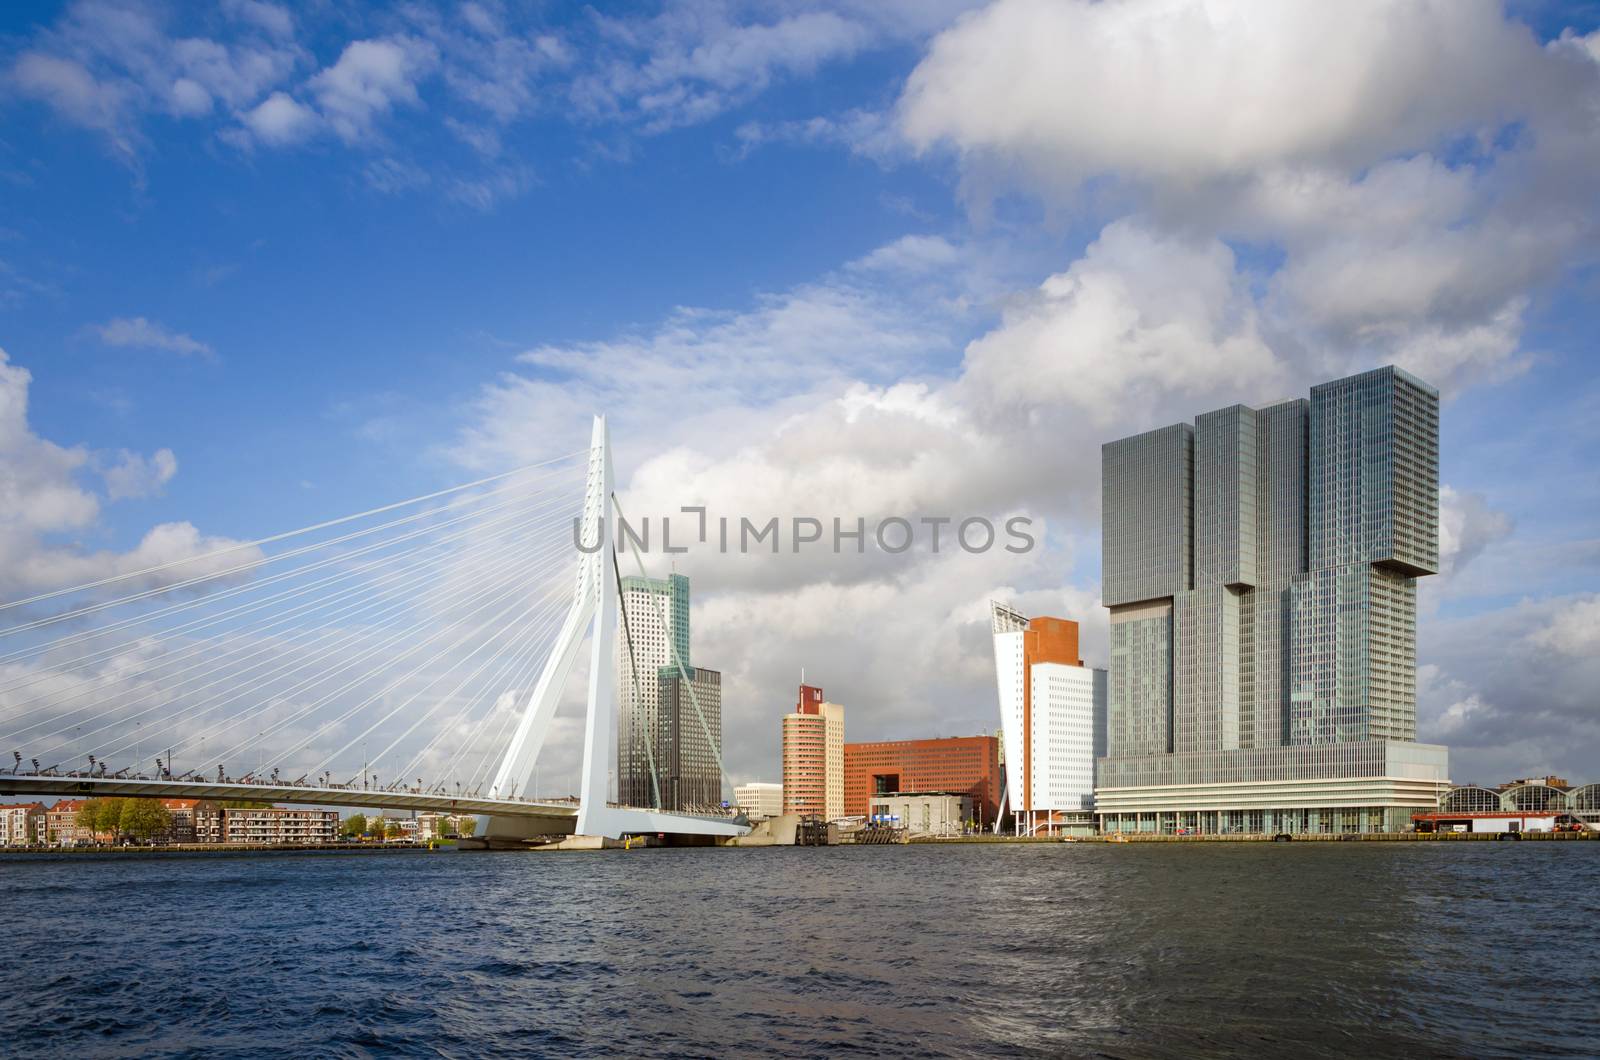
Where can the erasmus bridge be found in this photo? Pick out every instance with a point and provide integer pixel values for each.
(408, 657)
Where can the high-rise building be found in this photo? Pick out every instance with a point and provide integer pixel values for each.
(655, 625)
(687, 739)
(1260, 569)
(1053, 716)
(662, 723)
(968, 765)
(759, 799)
(813, 756)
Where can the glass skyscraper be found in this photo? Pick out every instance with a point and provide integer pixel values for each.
(1260, 569)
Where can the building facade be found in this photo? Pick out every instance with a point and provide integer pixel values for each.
(923, 813)
(688, 733)
(1053, 720)
(265, 824)
(1260, 571)
(20, 824)
(813, 756)
(654, 634)
(759, 799)
(966, 764)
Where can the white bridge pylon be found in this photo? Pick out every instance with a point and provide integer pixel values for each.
(594, 610)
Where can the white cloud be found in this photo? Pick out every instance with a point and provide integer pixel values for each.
(140, 333)
(42, 499)
(368, 80)
(1194, 90)
(1139, 316)
(280, 120)
(131, 475)
(1573, 630)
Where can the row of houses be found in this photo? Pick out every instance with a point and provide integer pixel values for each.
(192, 821)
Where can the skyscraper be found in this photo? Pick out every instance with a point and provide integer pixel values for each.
(1260, 569)
(1053, 720)
(661, 736)
(813, 756)
(686, 746)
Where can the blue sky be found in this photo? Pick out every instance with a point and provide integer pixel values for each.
(829, 256)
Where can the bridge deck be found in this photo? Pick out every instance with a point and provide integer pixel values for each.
(542, 818)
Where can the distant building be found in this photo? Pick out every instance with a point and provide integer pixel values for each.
(265, 824)
(922, 813)
(184, 813)
(1053, 714)
(20, 824)
(1260, 567)
(431, 826)
(61, 824)
(759, 799)
(655, 626)
(813, 756)
(686, 757)
(967, 764)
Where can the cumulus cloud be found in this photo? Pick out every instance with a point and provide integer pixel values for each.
(131, 475)
(280, 120)
(368, 80)
(1140, 315)
(1419, 166)
(45, 504)
(140, 333)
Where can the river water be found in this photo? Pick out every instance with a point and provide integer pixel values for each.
(1140, 950)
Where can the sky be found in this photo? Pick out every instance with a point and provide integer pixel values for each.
(262, 265)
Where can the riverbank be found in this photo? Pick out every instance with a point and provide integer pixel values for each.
(1307, 837)
(226, 848)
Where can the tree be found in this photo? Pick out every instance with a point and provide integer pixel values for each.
(101, 816)
(355, 824)
(392, 830)
(89, 816)
(145, 818)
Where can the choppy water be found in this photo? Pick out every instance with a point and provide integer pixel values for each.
(1372, 950)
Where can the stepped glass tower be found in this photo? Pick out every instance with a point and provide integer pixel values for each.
(1260, 568)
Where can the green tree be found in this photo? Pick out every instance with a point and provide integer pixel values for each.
(101, 817)
(355, 824)
(145, 818)
(392, 830)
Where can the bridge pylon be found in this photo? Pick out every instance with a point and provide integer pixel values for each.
(593, 613)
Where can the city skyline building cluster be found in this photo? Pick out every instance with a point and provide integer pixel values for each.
(1052, 714)
(1259, 568)
(669, 711)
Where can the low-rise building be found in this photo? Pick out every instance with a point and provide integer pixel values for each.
(431, 826)
(969, 764)
(923, 813)
(759, 799)
(60, 827)
(265, 824)
(20, 824)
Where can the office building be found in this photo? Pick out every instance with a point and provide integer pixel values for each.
(969, 765)
(654, 634)
(687, 740)
(1053, 717)
(813, 757)
(759, 799)
(1260, 570)
(669, 732)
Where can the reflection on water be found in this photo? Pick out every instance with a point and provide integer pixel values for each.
(1370, 949)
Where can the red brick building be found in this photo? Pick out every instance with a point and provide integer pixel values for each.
(965, 765)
